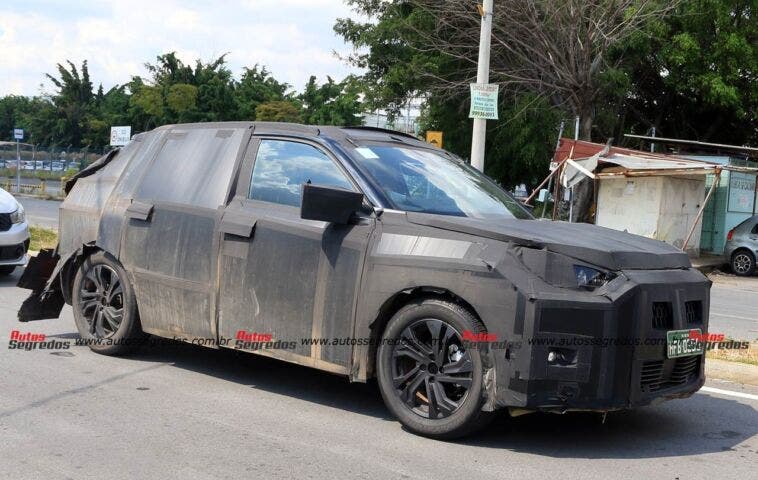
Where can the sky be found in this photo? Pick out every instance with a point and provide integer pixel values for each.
(294, 39)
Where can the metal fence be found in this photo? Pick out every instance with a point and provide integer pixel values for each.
(53, 158)
(42, 168)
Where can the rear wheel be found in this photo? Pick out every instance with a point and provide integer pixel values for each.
(743, 263)
(428, 379)
(6, 270)
(105, 309)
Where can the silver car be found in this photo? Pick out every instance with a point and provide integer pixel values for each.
(14, 234)
(742, 246)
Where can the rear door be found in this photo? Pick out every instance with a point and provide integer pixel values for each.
(169, 242)
(286, 280)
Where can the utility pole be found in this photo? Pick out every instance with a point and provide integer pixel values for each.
(571, 190)
(18, 135)
(18, 166)
(482, 76)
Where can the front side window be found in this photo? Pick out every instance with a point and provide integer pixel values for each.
(420, 180)
(282, 167)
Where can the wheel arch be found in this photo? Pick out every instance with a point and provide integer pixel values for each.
(741, 249)
(400, 299)
(69, 269)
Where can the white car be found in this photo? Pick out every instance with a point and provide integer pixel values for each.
(14, 234)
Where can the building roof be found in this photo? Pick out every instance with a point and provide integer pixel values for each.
(602, 161)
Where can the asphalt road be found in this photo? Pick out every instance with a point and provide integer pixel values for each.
(734, 307)
(43, 213)
(186, 412)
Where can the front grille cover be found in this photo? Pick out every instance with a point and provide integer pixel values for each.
(693, 312)
(663, 315)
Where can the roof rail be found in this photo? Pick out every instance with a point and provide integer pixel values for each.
(379, 129)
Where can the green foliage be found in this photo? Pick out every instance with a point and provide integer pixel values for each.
(181, 98)
(695, 74)
(76, 115)
(278, 111)
(331, 103)
(255, 87)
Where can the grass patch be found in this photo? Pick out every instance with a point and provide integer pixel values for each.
(42, 238)
(742, 355)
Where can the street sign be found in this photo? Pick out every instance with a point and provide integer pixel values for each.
(18, 133)
(120, 136)
(435, 138)
(483, 101)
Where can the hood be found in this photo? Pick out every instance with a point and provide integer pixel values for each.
(8, 204)
(595, 245)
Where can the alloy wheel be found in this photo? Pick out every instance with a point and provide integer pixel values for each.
(431, 370)
(742, 263)
(101, 301)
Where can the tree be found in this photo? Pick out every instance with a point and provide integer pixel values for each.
(182, 99)
(331, 103)
(694, 74)
(257, 86)
(73, 103)
(148, 103)
(278, 111)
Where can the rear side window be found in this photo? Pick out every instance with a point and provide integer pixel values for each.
(194, 167)
(282, 167)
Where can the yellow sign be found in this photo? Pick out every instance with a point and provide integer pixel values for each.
(435, 138)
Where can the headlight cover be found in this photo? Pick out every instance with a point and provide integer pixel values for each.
(589, 278)
(19, 216)
(563, 271)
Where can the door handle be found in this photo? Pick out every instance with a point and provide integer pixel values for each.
(139, 211)
(237, 223)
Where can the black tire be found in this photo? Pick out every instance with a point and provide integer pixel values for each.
(743, 263)
(105, 306)
(6, 270)
(453, 413)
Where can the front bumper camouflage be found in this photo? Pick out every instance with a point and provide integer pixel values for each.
(607, 355)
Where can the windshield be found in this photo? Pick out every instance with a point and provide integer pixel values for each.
(418, 180)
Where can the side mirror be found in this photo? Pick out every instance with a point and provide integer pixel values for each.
(329, 204)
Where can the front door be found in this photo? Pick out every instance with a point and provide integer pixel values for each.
(288, 286)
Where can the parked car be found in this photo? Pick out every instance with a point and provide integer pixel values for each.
(367, 253)
(741, 247)
(14, 234)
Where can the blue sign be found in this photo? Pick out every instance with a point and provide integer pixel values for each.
(18, 133)
(741, 192)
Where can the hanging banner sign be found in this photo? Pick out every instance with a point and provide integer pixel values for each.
(483, 101)
(120, 136)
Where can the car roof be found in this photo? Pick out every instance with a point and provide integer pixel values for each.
(351, 134)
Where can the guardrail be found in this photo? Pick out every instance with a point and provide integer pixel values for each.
(34, 189)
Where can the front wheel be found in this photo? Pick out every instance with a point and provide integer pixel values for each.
(429, 380)
(105, 308)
